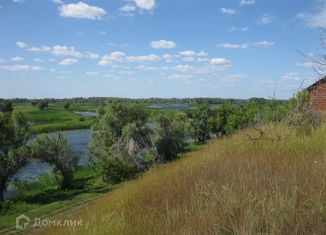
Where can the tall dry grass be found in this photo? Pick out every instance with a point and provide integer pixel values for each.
(274, 185)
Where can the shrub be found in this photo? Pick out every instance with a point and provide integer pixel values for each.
(301, 115)
(171, 136)
(116, 169)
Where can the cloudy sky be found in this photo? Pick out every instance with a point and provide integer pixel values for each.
(157, 48)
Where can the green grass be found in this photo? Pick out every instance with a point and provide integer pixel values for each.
(55, 117)
(43, 196)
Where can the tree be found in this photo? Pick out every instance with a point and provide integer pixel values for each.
(34, 103)
(6, 106)
(66, 105)
(54, 149)
(43, 104)
(199, 123)
(218, 119)
(14, 153)
(120, 131)
(171, 135)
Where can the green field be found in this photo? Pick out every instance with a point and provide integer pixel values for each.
(55, 117)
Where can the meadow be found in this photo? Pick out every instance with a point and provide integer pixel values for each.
(55, 117)
(247, 183)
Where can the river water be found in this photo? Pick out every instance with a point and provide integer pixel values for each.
(78, 140)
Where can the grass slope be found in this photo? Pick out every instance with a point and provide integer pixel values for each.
(274, 185)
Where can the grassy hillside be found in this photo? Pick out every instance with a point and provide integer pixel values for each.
(237, 185)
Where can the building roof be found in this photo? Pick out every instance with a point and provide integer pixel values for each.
(317, 83)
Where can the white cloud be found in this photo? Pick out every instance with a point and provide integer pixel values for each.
(247, 2)
(188, 59)
(81, 10)
(1, 7)
(233, 46)
(229, 11)
(146, 58)
(265, 19)
(102, 32)
(65, 51)
(39, 49)
(21, 44)
(91, 55)
(18, 1)
(292, 76)
(114, 56)
(146, 68)
(145, 4)
(192, 53)
(238, 77)
(163, 44)
(38, 60)
(91, 74)
(180, 76)
(169, 58)
(306, 64)
(264, 44)
(220, 62)
(57, 1)
(315, 20)
(128, 8)
(184, 68)
(69, 61)
(21, 68)
(17, 59)
(232, 29)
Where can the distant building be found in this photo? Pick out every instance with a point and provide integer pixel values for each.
(317, 95)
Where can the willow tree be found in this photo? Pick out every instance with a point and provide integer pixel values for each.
(14, 152)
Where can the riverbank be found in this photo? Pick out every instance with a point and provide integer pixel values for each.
(56, 117)
(43, 196)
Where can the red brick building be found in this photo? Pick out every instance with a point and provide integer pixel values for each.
(317, 95)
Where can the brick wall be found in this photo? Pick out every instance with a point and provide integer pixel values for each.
(317, 97)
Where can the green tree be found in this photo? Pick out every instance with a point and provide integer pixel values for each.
(66, 105)
(120, 130)
(34, 103)
(6, 106)
(14, 153)
(218, 119)
(199, 123)
(55, 150)
(43, 104)
(171, 135)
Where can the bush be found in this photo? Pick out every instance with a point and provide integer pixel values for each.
(116, 169)
(301, 115)
(171, 137)
(43, 104)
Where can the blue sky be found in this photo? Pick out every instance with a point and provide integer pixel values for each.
(157, 48)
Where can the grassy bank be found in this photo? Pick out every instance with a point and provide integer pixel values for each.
(43, 196)
(238, 185)
(55, 117)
